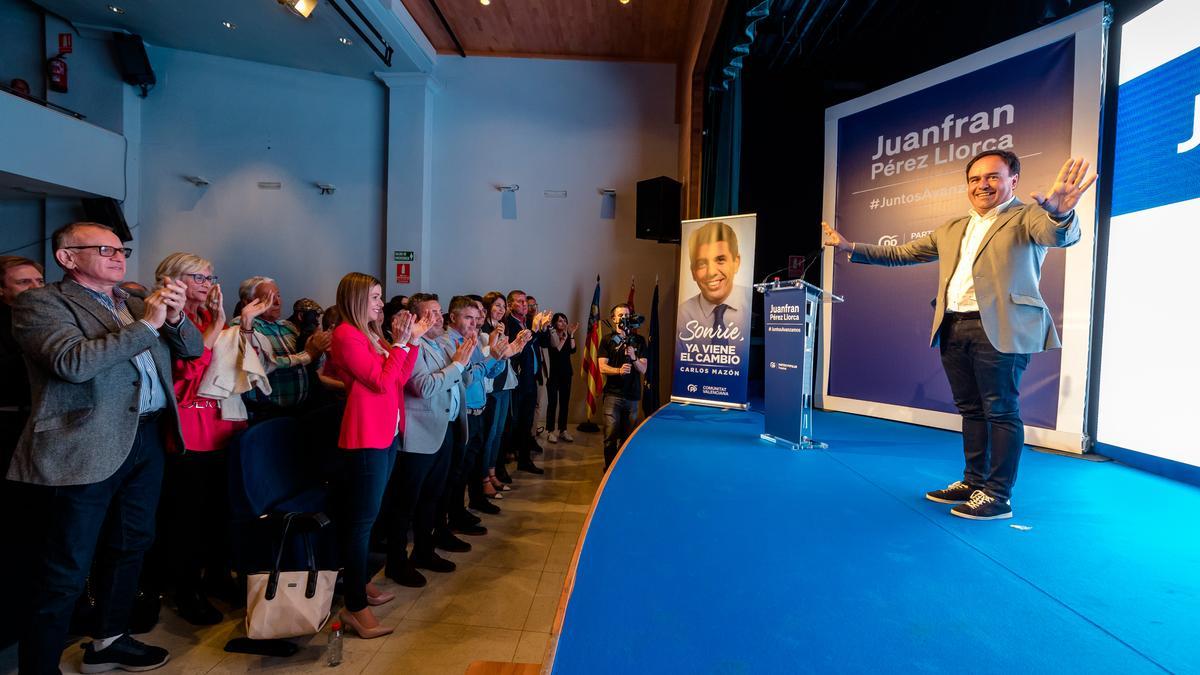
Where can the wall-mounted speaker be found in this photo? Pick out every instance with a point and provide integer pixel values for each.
(133, 61)
(106, 211)
(659, 205)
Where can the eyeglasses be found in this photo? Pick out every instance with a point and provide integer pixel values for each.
(200, 278)
(107, 251)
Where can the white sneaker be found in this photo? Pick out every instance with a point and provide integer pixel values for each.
(552, 437)
(567, 437)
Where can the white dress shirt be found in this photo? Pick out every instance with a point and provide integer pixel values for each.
(960, 293)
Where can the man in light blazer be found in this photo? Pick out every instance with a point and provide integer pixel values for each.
(435, 417)
(99, 363)
(989, 315)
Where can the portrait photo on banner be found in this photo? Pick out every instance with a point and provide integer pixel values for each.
(712, 329)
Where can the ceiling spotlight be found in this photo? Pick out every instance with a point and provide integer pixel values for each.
(345, 41)
(229, 24)
(485, 3)
(300, 7)
(624, 2)
(115, 10)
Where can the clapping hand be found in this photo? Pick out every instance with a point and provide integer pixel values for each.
(1068, 188)
(318, 342)
(517, 345)
(401, 328)
(216, 304)
(253, 310)
(174, 295)
(419, 328)
(462, 355)
(499, 346)
(540, 321)
(573, 328)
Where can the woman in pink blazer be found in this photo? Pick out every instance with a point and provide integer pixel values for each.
(372, 429)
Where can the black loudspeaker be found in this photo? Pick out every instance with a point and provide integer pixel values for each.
(132, 59)
(107, 211)
(659, 205)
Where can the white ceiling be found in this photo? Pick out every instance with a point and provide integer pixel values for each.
(266, 31)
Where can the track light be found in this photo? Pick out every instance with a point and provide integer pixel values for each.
(301, 7)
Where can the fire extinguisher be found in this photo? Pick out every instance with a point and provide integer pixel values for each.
(56, 73)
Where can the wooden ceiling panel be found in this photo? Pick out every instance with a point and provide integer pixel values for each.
(643, 30)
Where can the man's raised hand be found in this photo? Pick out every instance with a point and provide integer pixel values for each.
(833, 238)
(1068, 188)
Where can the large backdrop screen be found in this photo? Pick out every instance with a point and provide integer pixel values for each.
(896, 170)
(1148, 368)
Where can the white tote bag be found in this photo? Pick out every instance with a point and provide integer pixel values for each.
(283, 603)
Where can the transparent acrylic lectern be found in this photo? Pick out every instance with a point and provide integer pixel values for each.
(790, 325)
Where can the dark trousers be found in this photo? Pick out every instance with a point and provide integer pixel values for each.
(474, 466)
(462, 461)
(364, 479)
(193, 523)
(558, 400)
(417, 485)
(620, 416)
(123, 505)
(521, 434)
(986, 385)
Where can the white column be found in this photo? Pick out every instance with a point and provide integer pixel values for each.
(409, 176)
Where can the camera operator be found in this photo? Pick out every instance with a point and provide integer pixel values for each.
(623, 362)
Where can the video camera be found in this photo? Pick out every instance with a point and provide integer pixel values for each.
(628, 324)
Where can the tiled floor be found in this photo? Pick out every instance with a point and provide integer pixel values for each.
(498, 606)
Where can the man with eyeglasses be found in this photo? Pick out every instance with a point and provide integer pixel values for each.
(100, 374)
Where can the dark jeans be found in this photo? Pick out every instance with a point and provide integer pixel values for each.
(194, 522)
(620, 416)
(364, 479)
(495, 419)
(986, 385)
(558, 399)
(417, 485)
(123, 505)
(450, 506)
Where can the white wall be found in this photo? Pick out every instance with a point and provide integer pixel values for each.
(550, 125)
(236, 123)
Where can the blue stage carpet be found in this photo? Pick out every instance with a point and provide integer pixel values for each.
(713, 552)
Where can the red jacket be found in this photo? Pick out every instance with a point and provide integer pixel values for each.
(374, 387)
(200, 422)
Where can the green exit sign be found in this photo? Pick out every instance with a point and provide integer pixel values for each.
(402, 256)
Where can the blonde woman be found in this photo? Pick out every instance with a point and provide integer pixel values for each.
(374, 373)
(194, 498)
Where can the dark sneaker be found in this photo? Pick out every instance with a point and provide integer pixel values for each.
(126, 654)
(957, 492)
(982, 506)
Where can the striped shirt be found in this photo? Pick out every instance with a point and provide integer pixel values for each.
(152, 393)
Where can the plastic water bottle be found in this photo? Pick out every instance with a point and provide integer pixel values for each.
(333, 653)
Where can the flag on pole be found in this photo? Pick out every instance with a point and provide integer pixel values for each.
(650, 396)
(590, 371)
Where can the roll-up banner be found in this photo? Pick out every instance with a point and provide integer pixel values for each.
(712, 328)
(895, 170)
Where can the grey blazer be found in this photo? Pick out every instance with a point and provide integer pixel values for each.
(427, 397)
(1007, 272)
(84, 385)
